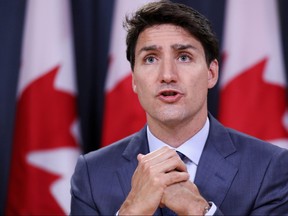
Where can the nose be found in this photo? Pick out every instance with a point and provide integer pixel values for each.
(168, 71)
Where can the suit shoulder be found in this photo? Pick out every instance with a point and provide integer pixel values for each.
(253, 144)
(113, 150)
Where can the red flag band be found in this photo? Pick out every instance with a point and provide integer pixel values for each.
(45, 146)
(253, 97)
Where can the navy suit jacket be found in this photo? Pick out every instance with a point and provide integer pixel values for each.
(240, 174)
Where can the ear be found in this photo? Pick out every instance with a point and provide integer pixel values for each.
(213, 73)
(134, 84)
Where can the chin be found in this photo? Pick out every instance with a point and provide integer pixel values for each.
(172, 118)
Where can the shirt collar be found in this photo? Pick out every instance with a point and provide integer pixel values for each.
(192, 148)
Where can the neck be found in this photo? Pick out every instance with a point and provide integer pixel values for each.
(176, 134)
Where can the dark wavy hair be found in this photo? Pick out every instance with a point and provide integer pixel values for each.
(166, 12)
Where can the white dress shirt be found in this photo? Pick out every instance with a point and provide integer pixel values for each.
(192, 148)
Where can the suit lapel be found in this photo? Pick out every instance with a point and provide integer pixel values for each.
(216, 169)
(138, 144)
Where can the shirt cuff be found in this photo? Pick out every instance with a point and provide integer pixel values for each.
(212, 209)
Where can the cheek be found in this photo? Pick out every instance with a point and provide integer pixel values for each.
(134, 87)
(144, 89)
(198, 81)
(142, 80)
(144, 95)
(139, 85)
(136, 83)
(197, 88)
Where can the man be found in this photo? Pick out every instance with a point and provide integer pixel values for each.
(173, 54)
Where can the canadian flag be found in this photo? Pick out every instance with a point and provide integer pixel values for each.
(45, 147)
(123, 114)
(252, 96)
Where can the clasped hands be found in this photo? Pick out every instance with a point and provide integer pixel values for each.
(161, 179)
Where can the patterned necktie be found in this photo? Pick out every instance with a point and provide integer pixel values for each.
(181, 155)
(166, 211)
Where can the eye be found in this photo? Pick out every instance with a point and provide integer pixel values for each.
(184, 58)
(150, 60)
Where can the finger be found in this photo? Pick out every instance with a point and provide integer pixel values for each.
(139, 157)
(164, 155)
(171, 164)
(159, 154)
(149, 167)
(175, 177)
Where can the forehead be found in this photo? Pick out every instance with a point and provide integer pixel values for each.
(166, 34)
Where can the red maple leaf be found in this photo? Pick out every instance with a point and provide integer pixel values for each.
(43, 120)
(123, 112)
(250, 104)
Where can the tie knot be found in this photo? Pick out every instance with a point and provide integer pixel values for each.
(181, 155)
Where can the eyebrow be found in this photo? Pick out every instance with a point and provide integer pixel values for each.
(174, 46)
(148, 48)
(183, 46)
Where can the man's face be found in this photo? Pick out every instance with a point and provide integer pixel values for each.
(171, 76)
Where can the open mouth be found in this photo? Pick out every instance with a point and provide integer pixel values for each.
(169, 93)
(170, 96)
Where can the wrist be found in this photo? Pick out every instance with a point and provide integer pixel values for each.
(127, 208)
(130, 207)
(202, 208)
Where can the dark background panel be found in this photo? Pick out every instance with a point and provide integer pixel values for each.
(283, 16)
(92, 24)
(11, 27)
